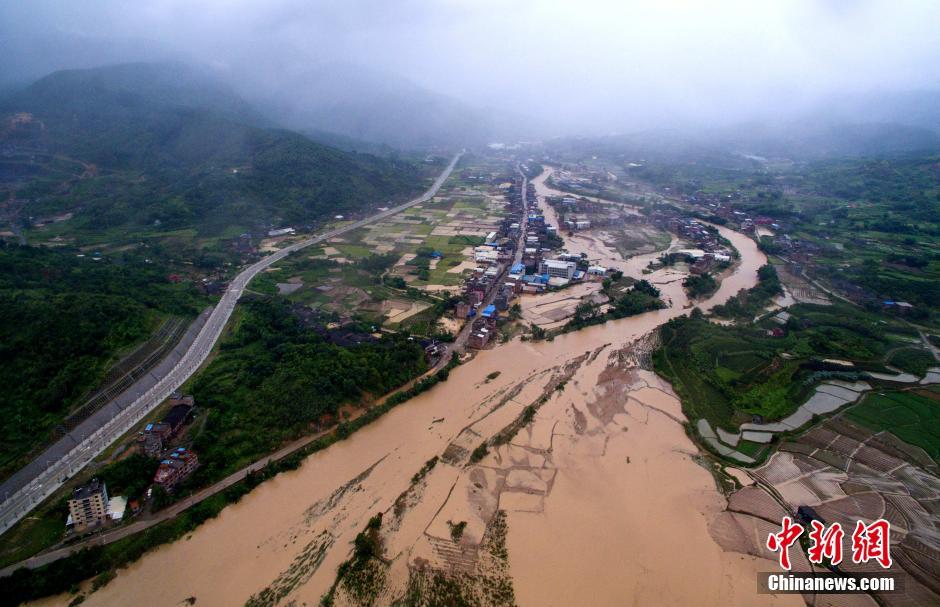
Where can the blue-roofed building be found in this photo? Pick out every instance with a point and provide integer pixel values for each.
(536, 279)
(517, 268)
(489, 311)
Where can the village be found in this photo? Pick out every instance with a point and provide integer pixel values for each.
(91, 508)
(493, 256)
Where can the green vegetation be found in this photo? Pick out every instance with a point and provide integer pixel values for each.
(362, 577)
(726, 374)
(162, 147)
(627, 298)
(456, 530)
(130, 476)
(532, 170)
(914, 417)
(425, 469)
(913, 360)
(61, 575)
(63, 321)
(700, 286)
(750, 303)
(479, 453)
(274, 379)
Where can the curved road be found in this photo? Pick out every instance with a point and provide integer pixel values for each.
(17, 505)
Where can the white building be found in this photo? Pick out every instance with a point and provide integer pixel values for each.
(558, 268)
(485, 256)
(281, 232)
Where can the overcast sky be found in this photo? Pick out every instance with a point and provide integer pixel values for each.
(598, 64)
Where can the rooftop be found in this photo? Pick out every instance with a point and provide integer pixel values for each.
(86, 491)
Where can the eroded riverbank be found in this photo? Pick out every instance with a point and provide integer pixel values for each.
(604, 501)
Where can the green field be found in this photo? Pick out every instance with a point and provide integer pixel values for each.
(910, 416)
(726, 374)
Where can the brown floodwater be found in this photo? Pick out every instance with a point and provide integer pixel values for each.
(606, 504)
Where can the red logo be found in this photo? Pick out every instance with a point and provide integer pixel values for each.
(826, 543)
(872, 542)
(869, 542)
(789, 533)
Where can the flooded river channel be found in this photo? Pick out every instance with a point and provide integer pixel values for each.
(604, 501)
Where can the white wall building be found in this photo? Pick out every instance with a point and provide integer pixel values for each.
(558, 268)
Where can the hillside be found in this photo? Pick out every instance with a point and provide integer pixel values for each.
(136, 173)
(63, 321)
(140, 146)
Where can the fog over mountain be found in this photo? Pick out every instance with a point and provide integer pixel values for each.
(421, 72)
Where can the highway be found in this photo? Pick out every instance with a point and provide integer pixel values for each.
(16, 505)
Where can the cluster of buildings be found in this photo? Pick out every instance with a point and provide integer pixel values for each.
(567, 216)
(155, 435)
(484, 327)
(584, 177)
(175, 463)
(516, 260)
(493, 257)
(90, 506)
(153, 441)
(794, 250)
(708, 251)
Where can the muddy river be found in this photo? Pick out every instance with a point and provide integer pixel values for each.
(604, 501)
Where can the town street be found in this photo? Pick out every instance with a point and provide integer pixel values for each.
(461, 339)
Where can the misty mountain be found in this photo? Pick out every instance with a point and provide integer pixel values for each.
(25, 58)
(377, 107)
(172, 145)
(912, 108)
(808, 139)
(89, 104)
(812, 139)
